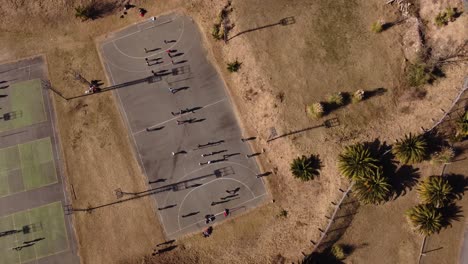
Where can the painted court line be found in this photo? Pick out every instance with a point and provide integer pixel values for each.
(133, 33)
(153, 54)
(185, 197)
(174, 118)
(128, 124)
(220, 213)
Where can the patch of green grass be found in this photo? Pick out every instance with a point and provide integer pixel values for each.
(53, 228)
(6, 242)
(37, 163)
(46, 222)
(419, 74)
(26, 103)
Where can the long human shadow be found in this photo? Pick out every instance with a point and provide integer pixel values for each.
(156, 77)
(169, 187)
(283, 22)
(327, 123)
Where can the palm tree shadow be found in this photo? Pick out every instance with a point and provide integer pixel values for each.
(403, 180)
(451, 213)
(315, 163)
(459, 184)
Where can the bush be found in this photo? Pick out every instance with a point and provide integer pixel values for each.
(462, 126)
(377, 27)
(315, 110)
(419, 74)
(443, 156)
(216, 32)
(358, 96)
(283, 213)
(338, 252)
(336, 98)
(234, 66)
(89, 11)
(448, 15)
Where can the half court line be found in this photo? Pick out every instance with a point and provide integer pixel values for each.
(174, 118)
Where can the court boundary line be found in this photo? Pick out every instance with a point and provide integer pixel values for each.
(186, 195)
(153, 54)
(201, 221)
(45, 119)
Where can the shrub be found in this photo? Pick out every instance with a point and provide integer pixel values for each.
(234, 66)
(372, 189)
(418, 74)
(446, 16)
(215, 32)
(462, 126)
(425, 219)
(411, 149)
(377, 27)
(306, 168)
(436, 191)
(443, 156)
(315, 110)
(85, 12)
(358, 96)
(356, 161)
(283, 213)
(338, 252)
(336, 98)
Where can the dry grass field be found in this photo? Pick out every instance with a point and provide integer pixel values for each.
(329, 48)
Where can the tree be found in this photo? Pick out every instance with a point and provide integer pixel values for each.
(425, 219)
(373, 189)
(306, 168)
(411, 149)
(86, 12)
(357, 161)
(436, 191)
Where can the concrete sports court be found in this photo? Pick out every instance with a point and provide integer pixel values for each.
(33, 228)
(187, 185)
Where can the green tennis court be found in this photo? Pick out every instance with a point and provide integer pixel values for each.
(27, 166)
(25, 105)
(36, 233)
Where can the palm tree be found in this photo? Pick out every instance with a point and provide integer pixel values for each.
(373, 189)
(234, 66)
(425, 218)
(411, 149)
(435, 191)
(305, 168)
(356, 161)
